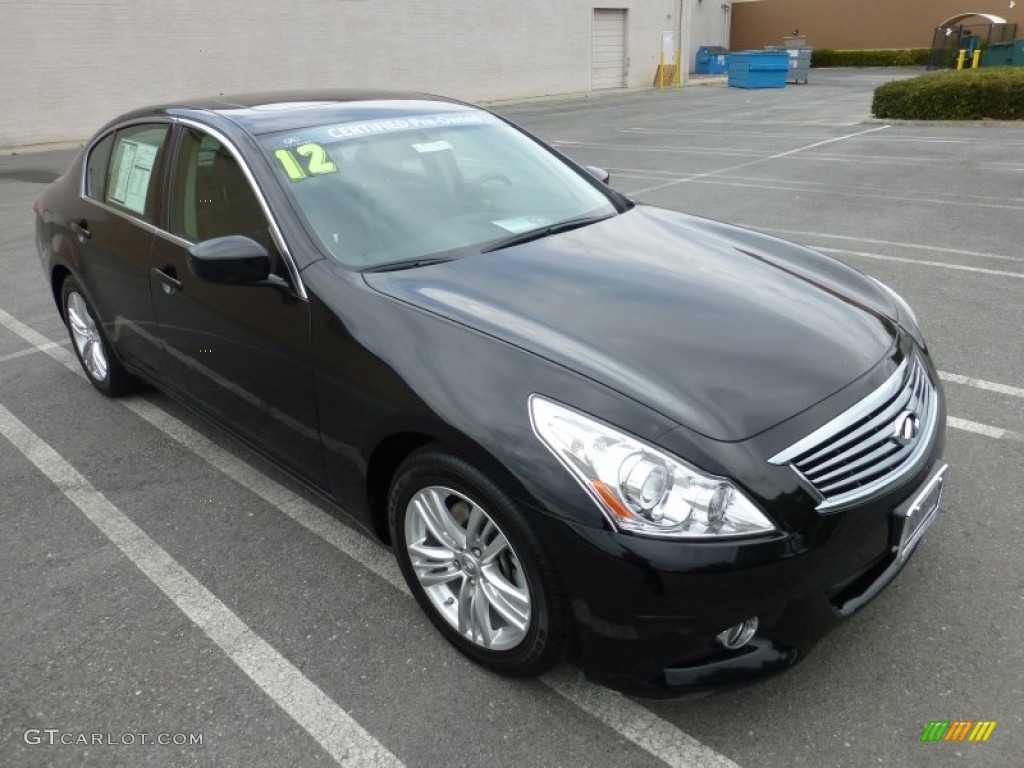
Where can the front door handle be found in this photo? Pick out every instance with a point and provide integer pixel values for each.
(168, 277)
(81, 227)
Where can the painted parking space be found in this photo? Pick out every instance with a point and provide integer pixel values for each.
(328, 601)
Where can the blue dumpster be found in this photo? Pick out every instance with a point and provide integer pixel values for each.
(1004, 55)
(712, 60)
(758, 69)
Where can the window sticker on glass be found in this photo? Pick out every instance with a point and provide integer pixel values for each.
(312, 161)
(522, 223)
(434, 146)
(134, 164)
(364, 128)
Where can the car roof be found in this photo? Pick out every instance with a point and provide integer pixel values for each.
(271, 111)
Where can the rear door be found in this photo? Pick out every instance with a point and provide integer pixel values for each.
(240, 353)
(114, 235)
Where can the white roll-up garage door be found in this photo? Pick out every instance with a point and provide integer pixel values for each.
(609, 48)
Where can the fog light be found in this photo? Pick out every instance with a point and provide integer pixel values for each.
(738, 635)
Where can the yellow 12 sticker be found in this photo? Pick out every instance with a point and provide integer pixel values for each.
(317, 161)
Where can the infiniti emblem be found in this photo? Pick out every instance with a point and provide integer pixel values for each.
(907, 425)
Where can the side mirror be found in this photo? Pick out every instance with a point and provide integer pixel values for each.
(231, 260)
(599, 173)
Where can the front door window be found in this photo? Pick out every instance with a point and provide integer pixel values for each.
(211, 196)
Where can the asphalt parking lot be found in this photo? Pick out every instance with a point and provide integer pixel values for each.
(158, 578)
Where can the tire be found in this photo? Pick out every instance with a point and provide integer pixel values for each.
(480, 588)
(102, 368)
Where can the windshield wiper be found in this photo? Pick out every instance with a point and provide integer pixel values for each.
(550, 229)
(394, 266)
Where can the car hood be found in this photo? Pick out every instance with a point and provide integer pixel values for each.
(725, 331)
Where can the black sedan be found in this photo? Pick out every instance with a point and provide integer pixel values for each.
(680, 450)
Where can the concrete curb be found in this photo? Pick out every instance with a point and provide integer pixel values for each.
(25, 149)
(984, 122)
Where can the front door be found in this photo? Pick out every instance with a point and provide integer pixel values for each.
(241, 353)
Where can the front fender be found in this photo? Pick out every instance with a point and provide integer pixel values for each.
(384, 367)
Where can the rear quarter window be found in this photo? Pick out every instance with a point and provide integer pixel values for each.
(96, 167)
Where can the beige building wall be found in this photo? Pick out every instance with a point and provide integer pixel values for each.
(66, 66)
(710, 24)
(856, 24)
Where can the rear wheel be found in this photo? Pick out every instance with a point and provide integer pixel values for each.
(475, 565)
(94, 352)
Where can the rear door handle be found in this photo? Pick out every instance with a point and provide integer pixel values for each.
(168, 278)
(82, 228)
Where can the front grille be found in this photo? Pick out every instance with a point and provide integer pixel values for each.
(857, 456)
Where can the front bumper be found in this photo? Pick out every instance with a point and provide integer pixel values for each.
(647, 611)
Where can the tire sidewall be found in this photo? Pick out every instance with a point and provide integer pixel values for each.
(106, 385)
(427, 468)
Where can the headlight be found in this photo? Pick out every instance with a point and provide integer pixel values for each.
(641, 488)
(904, 313)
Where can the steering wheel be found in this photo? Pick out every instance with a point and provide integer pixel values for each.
(480, 181)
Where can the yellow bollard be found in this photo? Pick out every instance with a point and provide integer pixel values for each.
(661, 71)
(679, 61)
(977, 59)
(960, 59)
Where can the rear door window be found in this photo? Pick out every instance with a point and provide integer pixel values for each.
(132, 182)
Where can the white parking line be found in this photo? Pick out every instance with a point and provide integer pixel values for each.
(360, 548)
(991, 386)
(823, 157)
(919, 262)
(638, 724)
(735, 121)
(630, 720)
(777, 156)
(895, 243)
(989, 143)
(817, 187)
(886, 160)
(875, 191)
(30, 351)
(839, 192)
(718, 134)
(670, 150)
(333, 728)
(996, 433)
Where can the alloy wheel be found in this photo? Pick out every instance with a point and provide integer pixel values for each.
(467, 568)
(87, 337)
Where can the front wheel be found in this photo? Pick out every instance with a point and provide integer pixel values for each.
(475, 565)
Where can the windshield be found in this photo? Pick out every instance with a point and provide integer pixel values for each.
(422, 187)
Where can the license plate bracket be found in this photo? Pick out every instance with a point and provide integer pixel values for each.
(913, 519)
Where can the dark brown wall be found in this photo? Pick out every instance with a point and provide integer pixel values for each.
(855, 24)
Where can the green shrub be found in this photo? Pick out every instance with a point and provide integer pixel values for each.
(996, 93)
(909, 57)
